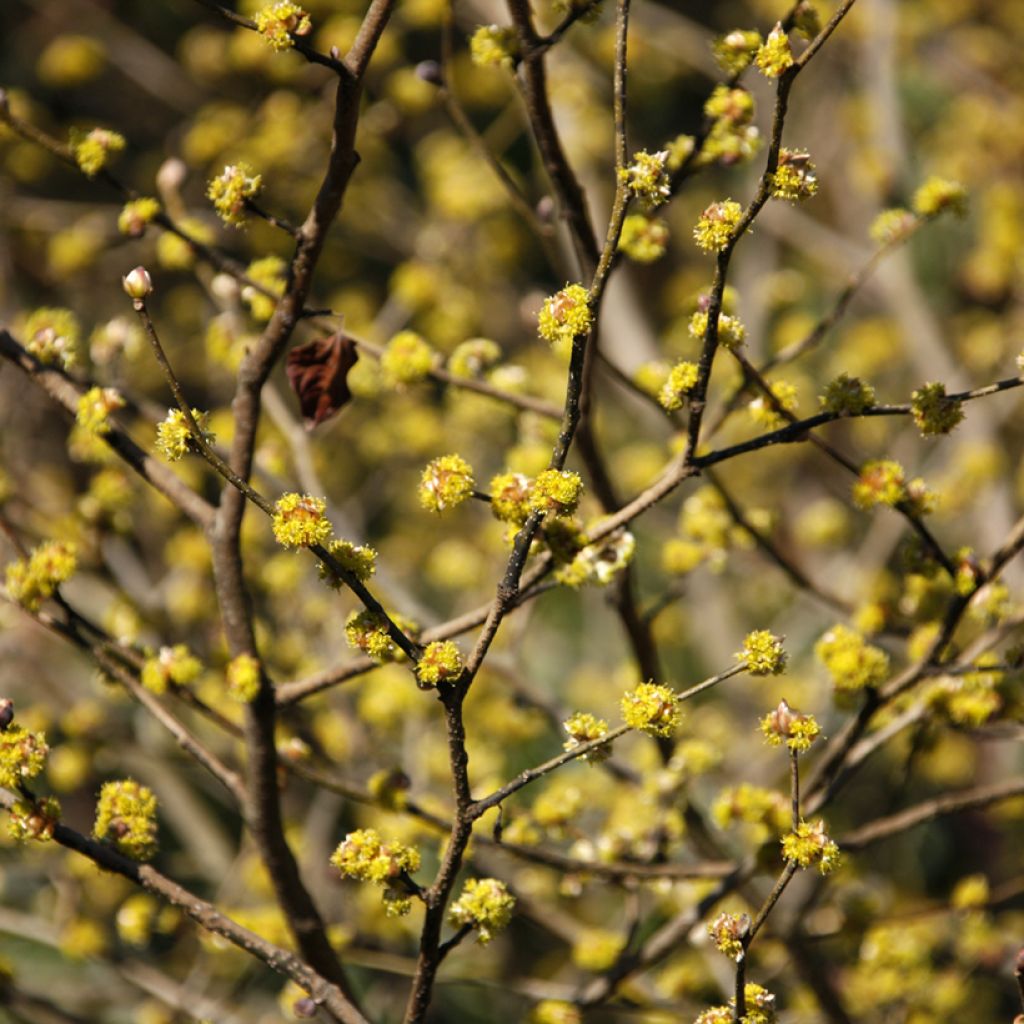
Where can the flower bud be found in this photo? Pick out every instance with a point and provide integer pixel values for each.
(430, 71)
(6, 712)
(137, 283)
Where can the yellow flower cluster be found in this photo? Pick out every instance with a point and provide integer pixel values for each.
(173, 436)
(799, 731)
(126, 816)
(230, 191)
(764, 413)
(269, 273)
(494, 46)
(652, 708)
(714, 229)
(643, 239)
(364, 856)
(883, 482)
(367, 631)
(809, 845)
(556, 492)
(583, 727)
(646, 177)
(795, 177)
(93, 149)
(598, 563)
(763, 653)
(94, 408)
(727, 932)
(34, 819)
(358, 559)
(136, 214)
(775, 56)
(446, 482)
(485, 905)
(681, 381)
(22, 755)
(29, 581)
(731, 332)
(510, 497)
(177, 665)
(933, 411)
(735, 50)
(846, 396)
(441, 663)
(473, 357)
(52, 336)
(565, 315)
(243, 678)
(891, 225)
(939, 195)
(300, 520)
(850, 660)
(406, 359)
(278, 22)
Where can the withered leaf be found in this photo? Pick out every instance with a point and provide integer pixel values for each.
(318, 373)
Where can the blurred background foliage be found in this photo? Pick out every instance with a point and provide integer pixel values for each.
(917, 929)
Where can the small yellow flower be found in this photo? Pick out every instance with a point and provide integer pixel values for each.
(934, 412)
(94, 408)
(510, 497)
(300, 520)
(243, 677)
(727, 932)
(174, 438)
(175, 665)
(29, 581)
(764, 412)
(799, 731)
(358, 559)
(279, 22)
(809, 845)
(731, 332)
(881, 482)
(717, 224)
(364, 856)
(269, 273)
(34, 819)
(643, 238)
(735, 50)
(406, 359)
(556, 492)
(682, 379)
(126, 816)
(92, 150)
(22, 755)
(565, 315)
(52, 336)
(441, 662)
(775, 56)
(847, 396)
(136, 214)
(763, 653)
(485, 905)
(795, 178)
(891, 225)
(495, 46)
(583, 727)
(938, 195)
(852, 662)
(652, 708)
(446, 481)
(231, 189)
(646, 177)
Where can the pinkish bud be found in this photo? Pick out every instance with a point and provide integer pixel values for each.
(6, 712)
(304, 1008)
(137, 283)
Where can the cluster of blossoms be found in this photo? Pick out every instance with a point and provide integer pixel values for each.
(678, 386)
(126, 817)
(95, 407)
(646, 177)
(34, 819)
(598, 563)
(708, 533)
(731, 332)
(174, 438)
(22, 753)
(760, 1005)
(441, 662)
(494, 46)
(770, 413)
(775, 56)
(717, 224)
(473, 357)
(728, 932)
(92, 150)
(406, 359)
(136, 214)
(175, 665)
(763, 653)
(969, 700)
(279, 22)
(510, 497)
(850, 660)
(364, 856)
(768, 810)
(934, 412)
(732, 137)
(652, 708)
(939, 195)
(446, 482)
(358, 559)
(565, 315)
(243, 678)
(269, 273)
(30, 581)
(786, 725)
(892, 226)
(643, 238)
(583, 727)
(230, 191)
(735, 50)
(300, 520)
(808, 845)
(485, 905)
(52, 336)
(556, 492)
(367, 631)
(846, 396)
(883, 482)
(795, 177)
